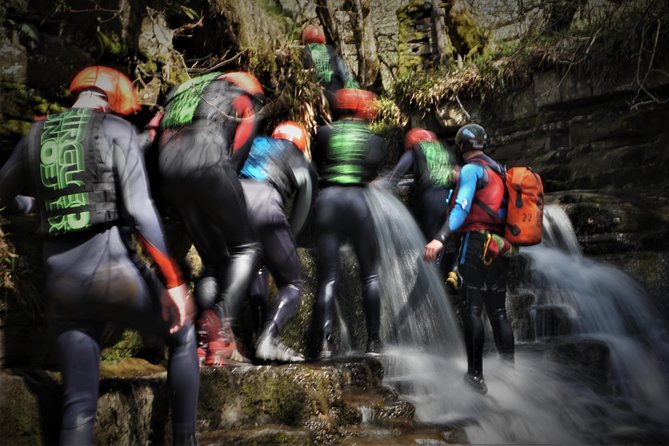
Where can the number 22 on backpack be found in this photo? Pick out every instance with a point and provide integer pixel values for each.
(525, 211)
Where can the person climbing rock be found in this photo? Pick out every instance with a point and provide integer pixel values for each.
(329, 68)
(275, 173)
(479, 215)
(86, 172)
(204, 139)
(433, 178)
(348, 157)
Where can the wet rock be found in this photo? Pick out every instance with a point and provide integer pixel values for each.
(269, 404)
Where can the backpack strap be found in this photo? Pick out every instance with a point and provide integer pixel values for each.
(482, 161)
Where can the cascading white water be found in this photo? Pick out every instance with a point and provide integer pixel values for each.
(538, 401)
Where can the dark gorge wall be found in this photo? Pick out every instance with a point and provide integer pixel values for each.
(600, 145)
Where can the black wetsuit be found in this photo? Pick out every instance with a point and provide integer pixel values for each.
(329, 68)
(276, 172)
(480, 209)
(92, 275)
(347, 156)
(204, 140)
(431, 167)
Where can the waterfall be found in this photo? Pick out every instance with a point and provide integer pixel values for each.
(417, 309)
(538, 400)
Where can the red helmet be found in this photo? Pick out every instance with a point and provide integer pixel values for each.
(293, 132)
(245, 81)
(416, 135)
(121, 93)
(313, 34)
(355, 102)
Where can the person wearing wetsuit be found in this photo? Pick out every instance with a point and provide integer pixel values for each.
(347, 156)
(204, 139)
(479, 213)
(432, 170)
(276, 172)
(329, 68)
(86, 172)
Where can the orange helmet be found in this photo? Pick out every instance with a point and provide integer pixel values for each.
(355, 102)
(245, 81)
(313, 34)
(293, 132)
(416, 135)
(121, 93)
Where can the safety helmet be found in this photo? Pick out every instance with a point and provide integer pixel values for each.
(313, 34)
(355, 102)
(471, 137)
(119, 90)
(244, 80)
(293, 132)
(416, 135)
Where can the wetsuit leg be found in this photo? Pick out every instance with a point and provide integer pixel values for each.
(473, 273)
(259, 297)
(183, 376)
(214, 211)
(79, 350)
(283, 262)
(329, 222)
(183, 380)
(268, 218)
(327, 263)
(501, 328)
(495, 301)
(474, 332)
(361, 232)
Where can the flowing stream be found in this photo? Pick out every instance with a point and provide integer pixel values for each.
(539, 400)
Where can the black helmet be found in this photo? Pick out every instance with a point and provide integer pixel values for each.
(471, 137)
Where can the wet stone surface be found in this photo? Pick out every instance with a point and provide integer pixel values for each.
(324, 403)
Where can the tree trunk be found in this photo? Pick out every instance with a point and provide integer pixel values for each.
(440, 47)
(365, 42)
(325, 9)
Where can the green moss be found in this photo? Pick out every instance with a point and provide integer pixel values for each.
(214, 393)
(278, 396)
(43, 106)
(112, 44)
(129, 344)
(389, 124)
(14, 128)
(407, 62)
(468, 35)
(18, 414)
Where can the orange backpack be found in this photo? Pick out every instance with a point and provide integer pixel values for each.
(525, 211)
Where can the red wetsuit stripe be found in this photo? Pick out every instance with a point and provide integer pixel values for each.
(169, 269)
(245, 129)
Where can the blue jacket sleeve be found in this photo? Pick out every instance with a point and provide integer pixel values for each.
(470, 175)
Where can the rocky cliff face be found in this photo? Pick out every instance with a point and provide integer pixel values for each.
(600, 148)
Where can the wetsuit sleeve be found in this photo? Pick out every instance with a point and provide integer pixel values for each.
(245, 131)
(305, 196)
(306, 58)
(400, 169)
(148, 136)
(376, 155)
(13, 176)
(340, 70)
(319, 146)
(133, 187)
(469, 178)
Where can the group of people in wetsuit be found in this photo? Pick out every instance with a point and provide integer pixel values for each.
(229, 189)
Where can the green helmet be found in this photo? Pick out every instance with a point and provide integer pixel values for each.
(471, 137)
